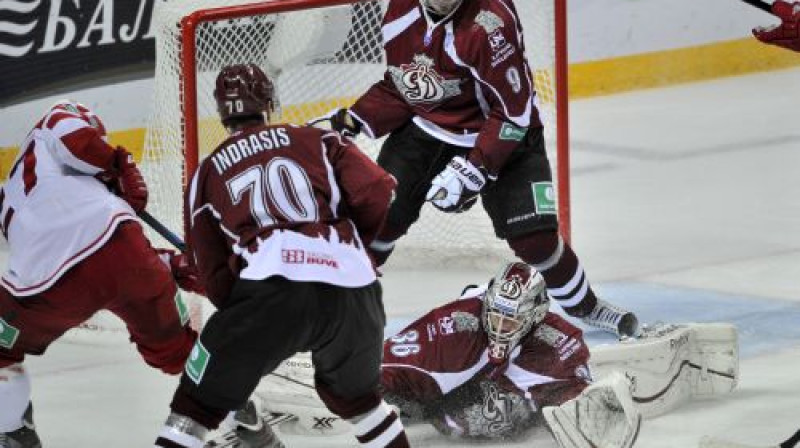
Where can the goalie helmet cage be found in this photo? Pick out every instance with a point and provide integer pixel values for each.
(323, 54)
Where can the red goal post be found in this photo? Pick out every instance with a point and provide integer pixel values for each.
(195, 38)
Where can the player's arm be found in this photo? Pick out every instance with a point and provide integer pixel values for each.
(379, 111)
(787, 34)
(367, 190)
(212, 251)
(83, 146)
(497, 61)
(507, 85)
(569, 368)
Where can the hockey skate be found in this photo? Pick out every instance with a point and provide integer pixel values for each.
(24, 437)
(612, 318)
(252, 431)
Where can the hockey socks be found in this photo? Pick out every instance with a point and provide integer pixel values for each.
(380, 428)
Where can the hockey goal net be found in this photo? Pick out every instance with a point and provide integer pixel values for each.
(322, 54)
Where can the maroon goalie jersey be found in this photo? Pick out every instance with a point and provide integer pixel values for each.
(297, 202)
(464, 79)
(448, 347)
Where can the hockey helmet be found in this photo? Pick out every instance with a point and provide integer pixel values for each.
(243, 91)
(441, 7)
(86, 114)
(514, 302)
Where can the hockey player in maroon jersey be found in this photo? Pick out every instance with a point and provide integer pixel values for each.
(458, 104)
(496, 363)
(68, 211)
(787, 34)
(279, 220)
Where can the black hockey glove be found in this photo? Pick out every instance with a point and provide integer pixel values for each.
(343, 123)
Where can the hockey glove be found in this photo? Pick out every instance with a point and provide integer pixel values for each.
(129, 183)
(183, 272)
(456, 188)
(343, 123)
(787, 34)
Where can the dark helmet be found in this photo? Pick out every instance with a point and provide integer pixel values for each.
(243, 91)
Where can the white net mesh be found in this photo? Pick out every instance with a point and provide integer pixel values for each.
(320, 59)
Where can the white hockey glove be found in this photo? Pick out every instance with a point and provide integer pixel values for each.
(602, 416)
(456, 188)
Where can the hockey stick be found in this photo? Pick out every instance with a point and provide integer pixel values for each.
(162, 230)
(760, 4)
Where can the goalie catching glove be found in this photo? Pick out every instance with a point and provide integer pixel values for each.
(787, 34)
(183, 272)
(456, 188)
(602, 416)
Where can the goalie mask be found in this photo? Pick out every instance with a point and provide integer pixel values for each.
(514, 303)
(441, 7)
(243, 91)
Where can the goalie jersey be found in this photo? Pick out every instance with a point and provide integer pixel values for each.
(296, 202)
(446, 350)
(53, 211)
(464, 79)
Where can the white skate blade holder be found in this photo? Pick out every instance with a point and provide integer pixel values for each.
(672, 364)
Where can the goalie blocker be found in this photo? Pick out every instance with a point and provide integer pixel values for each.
(645, 377)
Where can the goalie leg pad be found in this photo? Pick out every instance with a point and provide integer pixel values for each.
(602, 416)
(671, 364)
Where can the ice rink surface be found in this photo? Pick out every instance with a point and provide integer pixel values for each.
(686, 207)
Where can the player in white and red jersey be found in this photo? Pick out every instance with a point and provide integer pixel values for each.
(787, 33)
(68, 211)
(279, 220)
(458, 103)
(487, 366)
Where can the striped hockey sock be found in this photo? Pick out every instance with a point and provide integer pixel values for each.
(380, 428)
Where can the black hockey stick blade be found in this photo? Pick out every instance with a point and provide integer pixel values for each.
(162, 230)
(760, 4)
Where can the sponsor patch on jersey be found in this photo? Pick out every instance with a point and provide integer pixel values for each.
(421, 85)
(501, 49)
(489, 21)
(549, 335)
(197, 363)
(8, 334)
(183, 310)
(465, 321)
(447, 325)
(544, 197)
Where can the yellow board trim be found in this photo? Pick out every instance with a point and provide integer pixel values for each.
(586, 79)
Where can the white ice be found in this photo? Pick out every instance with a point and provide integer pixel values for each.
(686, 206)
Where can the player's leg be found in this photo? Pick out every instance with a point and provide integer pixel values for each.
(29, 324)
(147, 300)
(263, 323)
(521, 204)
(347, 358)
(414, 158)
(16, 412)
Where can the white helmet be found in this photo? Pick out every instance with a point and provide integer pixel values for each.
(515, 301)
(441, 7)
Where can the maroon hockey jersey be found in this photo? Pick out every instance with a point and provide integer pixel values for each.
(298, 202)
(448, 347)
(464, 79)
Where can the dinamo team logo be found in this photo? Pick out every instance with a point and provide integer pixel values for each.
(421, 85)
